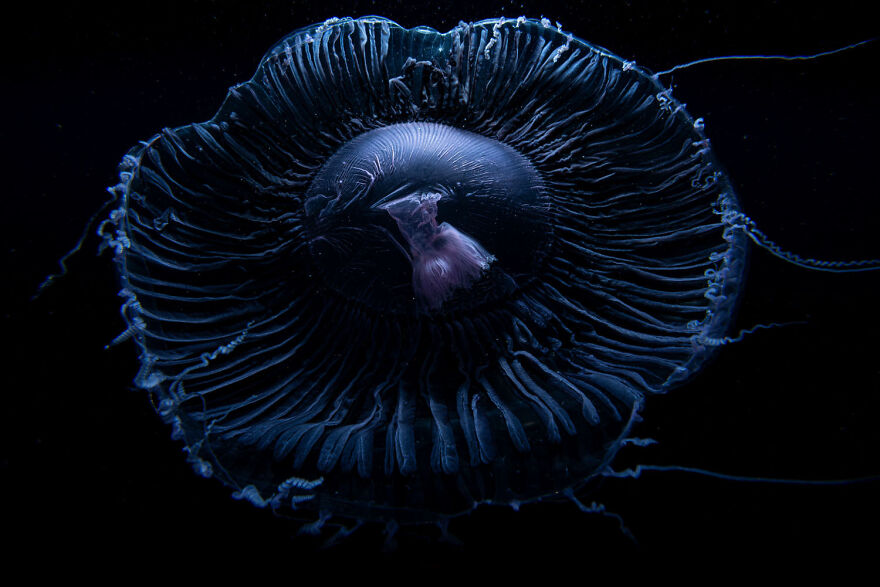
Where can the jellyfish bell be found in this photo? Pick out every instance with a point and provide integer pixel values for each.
(403, 273)
(407, 173)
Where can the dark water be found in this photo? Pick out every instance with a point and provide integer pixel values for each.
(88, 467)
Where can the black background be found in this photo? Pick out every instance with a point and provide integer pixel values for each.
(90, 474)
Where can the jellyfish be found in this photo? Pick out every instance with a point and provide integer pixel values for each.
(401, 274)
